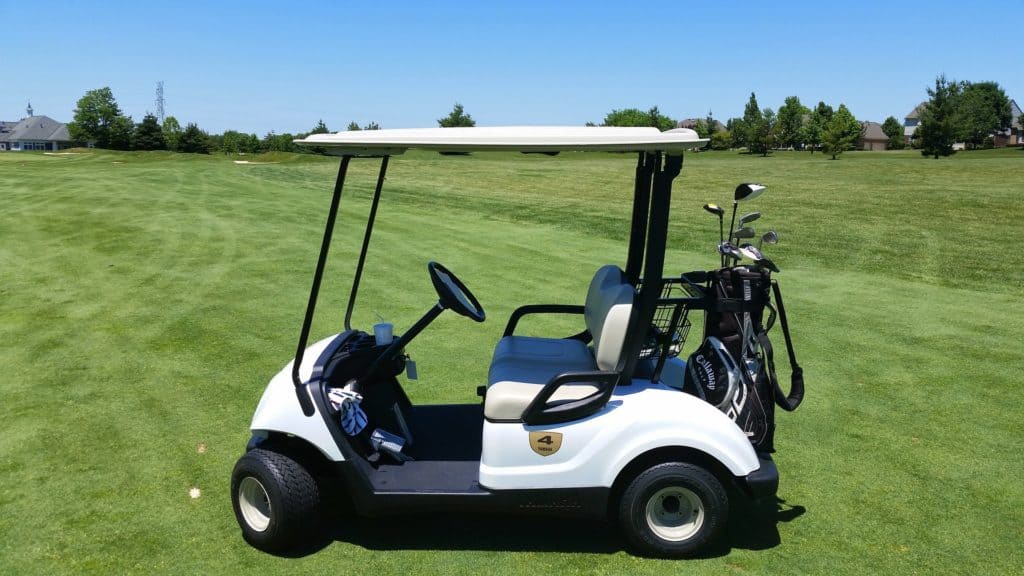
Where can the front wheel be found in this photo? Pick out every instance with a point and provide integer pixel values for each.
(673, 510)
(276, 501)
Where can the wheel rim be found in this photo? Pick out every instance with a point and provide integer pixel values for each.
(254, 503)
(675, 513)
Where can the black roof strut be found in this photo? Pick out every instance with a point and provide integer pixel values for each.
(325, 246)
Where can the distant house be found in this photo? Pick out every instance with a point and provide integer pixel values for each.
(1012, 136)
(691, 123)
(912, 121)
(872, 137)
(34, 133)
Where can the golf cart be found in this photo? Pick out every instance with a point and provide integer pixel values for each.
(591, 425)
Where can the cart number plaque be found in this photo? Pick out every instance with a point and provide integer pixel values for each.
(545, 443)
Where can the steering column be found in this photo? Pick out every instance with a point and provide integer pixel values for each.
(451, 293)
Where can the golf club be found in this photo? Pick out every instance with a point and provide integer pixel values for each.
(770, 237)
(751, 252)
(744, 192)
(747, 218)
(718, 211)
(726, 249)
(743, 233)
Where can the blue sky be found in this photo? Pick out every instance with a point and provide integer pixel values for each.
(258, 66)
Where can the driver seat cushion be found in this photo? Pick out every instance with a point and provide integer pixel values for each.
(522, 365)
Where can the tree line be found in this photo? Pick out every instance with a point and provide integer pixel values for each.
(955, 112)
(99, 121)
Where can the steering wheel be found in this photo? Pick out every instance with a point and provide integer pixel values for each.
(453, 294)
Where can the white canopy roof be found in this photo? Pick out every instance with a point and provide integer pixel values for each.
(513, 138)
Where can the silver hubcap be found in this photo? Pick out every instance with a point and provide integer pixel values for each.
(675, 513)
(254, 503)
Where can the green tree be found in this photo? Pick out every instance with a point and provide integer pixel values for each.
(172, 132)
(148, 135)
(637, 117)
(252, 144)
(98, 119)
(233, 142)
(762, 134)
(981, 109)
(120, 135)
(353, 127)
(792, 115)
(721, 140)
(372, 126)
(193, 140)
(456, 118)
(320, 128)
(814, 129)
(743, 131)
(731, 126)
(841, 132)
(279, 143)
(703, 129)
(937, 131)
(894, 130)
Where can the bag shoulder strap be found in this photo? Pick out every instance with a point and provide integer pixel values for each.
(796, 385)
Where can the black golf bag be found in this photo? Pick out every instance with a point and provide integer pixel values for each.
(734, 368)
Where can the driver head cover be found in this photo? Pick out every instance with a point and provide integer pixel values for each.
(353, 419)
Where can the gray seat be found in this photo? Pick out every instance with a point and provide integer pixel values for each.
(522, 365)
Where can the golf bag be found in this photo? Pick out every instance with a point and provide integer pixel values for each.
(734, 368)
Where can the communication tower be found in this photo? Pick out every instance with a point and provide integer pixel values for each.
(160, 100)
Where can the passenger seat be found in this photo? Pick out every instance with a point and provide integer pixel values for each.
(522, 365)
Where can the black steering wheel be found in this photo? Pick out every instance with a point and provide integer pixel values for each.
(453, 294)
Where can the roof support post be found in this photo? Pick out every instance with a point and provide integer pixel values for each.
(645, 167)
(654, 263)
(366, 243)
(325, 246)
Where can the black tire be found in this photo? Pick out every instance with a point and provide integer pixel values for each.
(276, 502)
(673, 510)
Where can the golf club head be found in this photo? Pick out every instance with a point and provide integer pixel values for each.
(751, 252)
(727, 249)
(746, 218)
(770, 237)
(745, 232)
(766, 263)
(715, 209)
(748, 191)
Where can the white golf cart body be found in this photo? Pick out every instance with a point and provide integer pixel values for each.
(548, 437)
(640, 418)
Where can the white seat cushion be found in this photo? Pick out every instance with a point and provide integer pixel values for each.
(521, 367)
(507, 400)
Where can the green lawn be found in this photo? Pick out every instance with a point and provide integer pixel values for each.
(145, 300)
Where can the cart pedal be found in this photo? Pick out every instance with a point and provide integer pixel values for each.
(481, 391)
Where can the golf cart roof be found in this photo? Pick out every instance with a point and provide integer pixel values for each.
(548, 139)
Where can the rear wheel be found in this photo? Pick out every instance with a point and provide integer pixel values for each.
(673, 509)
(276, 501)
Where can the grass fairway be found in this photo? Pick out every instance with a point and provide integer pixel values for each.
(145, 300)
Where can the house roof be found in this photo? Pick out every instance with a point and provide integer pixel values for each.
(691, 123)
(35, 128)
(873, 131)
(916, 112)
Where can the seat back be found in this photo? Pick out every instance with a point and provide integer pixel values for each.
(609, 303)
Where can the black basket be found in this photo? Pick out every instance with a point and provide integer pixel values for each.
(671, 324)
